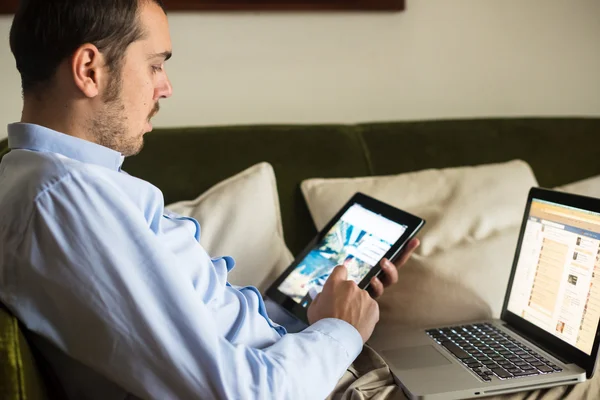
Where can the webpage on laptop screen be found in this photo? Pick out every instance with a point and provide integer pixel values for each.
(557, 281)
(358, 240)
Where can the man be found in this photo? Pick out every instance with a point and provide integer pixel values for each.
(121, 297)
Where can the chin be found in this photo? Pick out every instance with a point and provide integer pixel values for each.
(135, 150)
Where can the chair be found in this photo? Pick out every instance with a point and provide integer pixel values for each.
(24, 375)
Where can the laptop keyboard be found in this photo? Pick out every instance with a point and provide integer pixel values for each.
(488, 352)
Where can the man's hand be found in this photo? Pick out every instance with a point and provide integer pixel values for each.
(342, 299)
(389, 270)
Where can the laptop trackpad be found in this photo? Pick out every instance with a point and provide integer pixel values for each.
(415, 357)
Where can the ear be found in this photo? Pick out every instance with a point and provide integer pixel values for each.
(86, 66)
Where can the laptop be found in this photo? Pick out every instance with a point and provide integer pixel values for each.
(548, 334)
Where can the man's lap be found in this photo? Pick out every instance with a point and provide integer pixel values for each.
(368, 377)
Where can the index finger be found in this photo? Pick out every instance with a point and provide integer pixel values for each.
(339, 273)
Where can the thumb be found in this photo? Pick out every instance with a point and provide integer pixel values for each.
(339, 273)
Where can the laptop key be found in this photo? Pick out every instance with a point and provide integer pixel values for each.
(544, 368)
(537, 364)
(454, 349)
(526, 373)
(501, 372)
(520, 363)
(492, 366)
(484, 376)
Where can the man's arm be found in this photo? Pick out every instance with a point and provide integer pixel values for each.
(99, 284)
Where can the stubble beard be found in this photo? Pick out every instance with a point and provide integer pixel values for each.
(109, 127)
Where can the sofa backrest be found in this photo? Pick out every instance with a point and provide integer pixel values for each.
(183, 163)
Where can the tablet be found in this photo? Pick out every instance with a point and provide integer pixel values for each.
(363, 232)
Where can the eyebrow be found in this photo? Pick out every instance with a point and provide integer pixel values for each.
(165, 54)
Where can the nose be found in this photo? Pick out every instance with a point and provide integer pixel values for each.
(164, 90)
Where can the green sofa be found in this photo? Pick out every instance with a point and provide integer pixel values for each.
(185, 162)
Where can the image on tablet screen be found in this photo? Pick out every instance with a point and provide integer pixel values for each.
(358, 240)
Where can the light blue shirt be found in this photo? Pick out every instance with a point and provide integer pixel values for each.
(92, 262)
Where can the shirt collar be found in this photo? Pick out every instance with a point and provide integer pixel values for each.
(38, 138)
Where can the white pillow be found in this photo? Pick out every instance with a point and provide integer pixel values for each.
(587, 187)
(461, 270)
(459, 204)
(240, 217)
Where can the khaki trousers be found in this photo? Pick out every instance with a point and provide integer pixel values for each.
(367, 378)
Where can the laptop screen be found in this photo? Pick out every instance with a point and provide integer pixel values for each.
(556, 284)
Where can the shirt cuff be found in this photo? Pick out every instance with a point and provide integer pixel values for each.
(342, 332)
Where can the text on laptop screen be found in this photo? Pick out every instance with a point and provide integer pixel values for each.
(557, 281)
(358, 240)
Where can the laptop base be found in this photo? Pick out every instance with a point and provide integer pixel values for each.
(426, 370)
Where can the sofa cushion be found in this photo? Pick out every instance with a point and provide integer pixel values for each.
(461, 270)
(459, 204)
(19, 372)
(586, 187)
(240, 217)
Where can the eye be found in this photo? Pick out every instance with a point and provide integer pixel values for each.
(156, 68)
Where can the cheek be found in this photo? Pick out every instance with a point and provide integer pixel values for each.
(147, 94)
(141, 100)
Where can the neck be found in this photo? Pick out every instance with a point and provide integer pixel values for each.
(55, 114)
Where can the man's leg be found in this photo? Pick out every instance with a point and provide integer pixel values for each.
(368, 377)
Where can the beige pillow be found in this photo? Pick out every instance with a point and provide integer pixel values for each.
(461, 270)
(459, 204)
(240, 217)
(587, 187)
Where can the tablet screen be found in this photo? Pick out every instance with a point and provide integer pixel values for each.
(358, 240)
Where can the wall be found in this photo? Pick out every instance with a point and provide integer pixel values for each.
(438, 59)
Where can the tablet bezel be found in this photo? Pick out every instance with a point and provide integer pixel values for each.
(413, 225)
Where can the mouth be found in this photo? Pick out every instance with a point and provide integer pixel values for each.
(147, 128)
(152, 114)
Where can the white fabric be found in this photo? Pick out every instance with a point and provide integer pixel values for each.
(240, 217)
(459, 204)
(461, 270)
(587, 187)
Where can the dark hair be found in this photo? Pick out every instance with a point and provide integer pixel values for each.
(45, 32)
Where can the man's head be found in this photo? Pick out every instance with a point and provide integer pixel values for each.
(93, 68)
